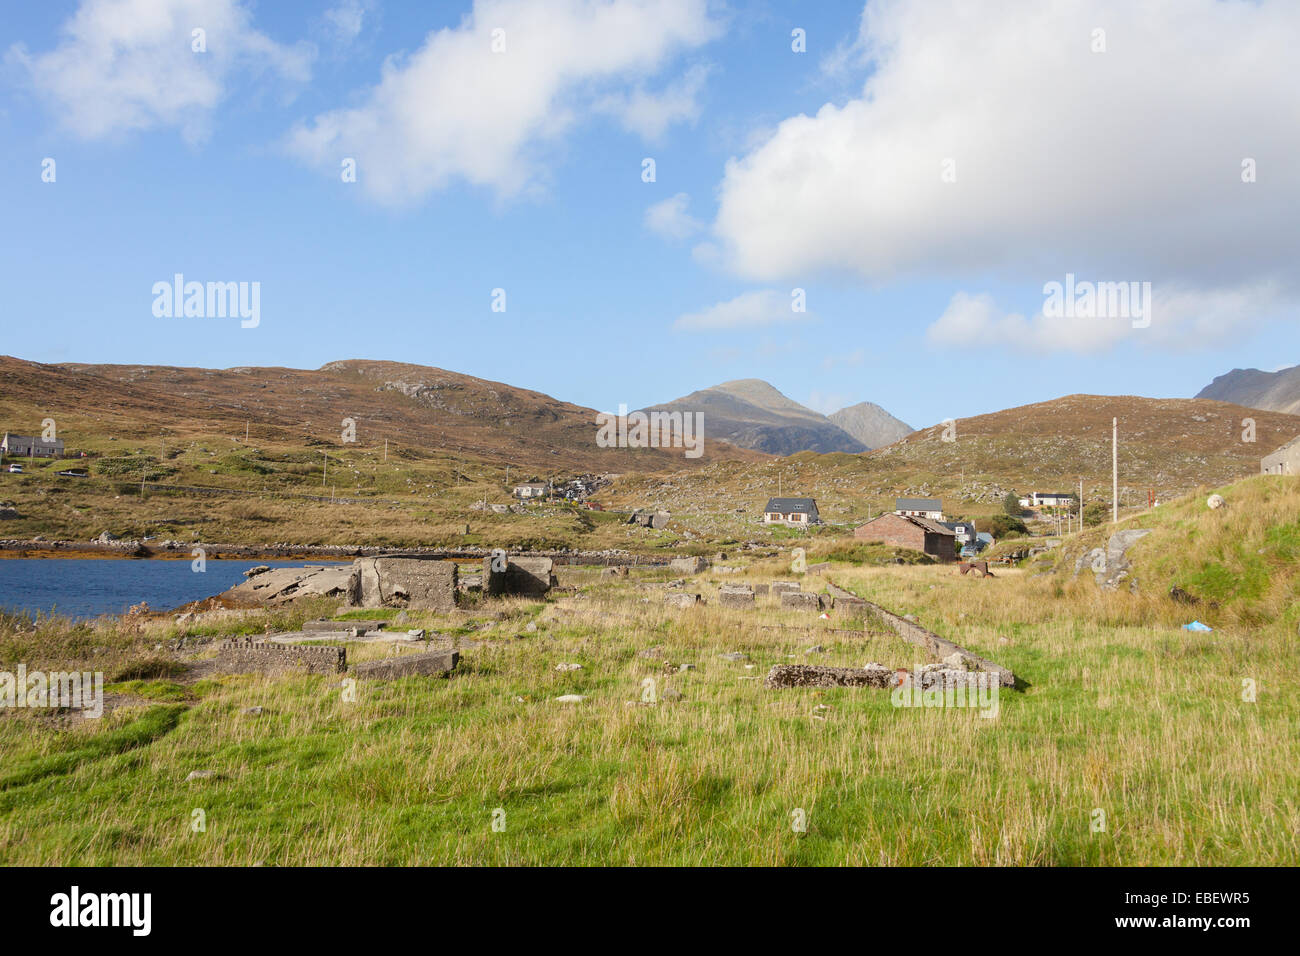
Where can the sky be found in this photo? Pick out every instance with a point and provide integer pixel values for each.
(623, 201)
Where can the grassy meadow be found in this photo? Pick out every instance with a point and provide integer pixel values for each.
(1117, 712)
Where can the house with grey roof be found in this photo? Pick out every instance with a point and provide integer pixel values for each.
(27, 446)
(931, 508)
(796, 512)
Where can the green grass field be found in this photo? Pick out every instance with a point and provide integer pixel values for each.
(1127, 742)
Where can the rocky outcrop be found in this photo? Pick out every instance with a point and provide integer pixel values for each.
(1111, 565)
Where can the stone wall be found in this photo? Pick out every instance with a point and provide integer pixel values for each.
(246, 655)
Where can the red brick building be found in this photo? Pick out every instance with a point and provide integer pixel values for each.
(905, 531)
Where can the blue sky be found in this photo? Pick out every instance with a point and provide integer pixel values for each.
(223, 165)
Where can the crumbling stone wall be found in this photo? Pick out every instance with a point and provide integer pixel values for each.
(246, 655)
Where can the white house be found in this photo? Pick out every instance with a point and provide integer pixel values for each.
(1047, 499)
(531, 489)
(797, 512)
(931, 508)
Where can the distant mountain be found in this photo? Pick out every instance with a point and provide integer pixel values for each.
(1272, 391)
(871, 424)
(750, 413)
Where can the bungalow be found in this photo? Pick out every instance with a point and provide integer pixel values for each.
(25, 446)
(798, 512)
(531, 489)
(931, 508)
(1284, 461)
(910, 531)
(963, 531)
(1047, 499)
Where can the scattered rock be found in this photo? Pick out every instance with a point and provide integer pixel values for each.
(201, 775)
(570, 699)
(568, 667)
(736, 656)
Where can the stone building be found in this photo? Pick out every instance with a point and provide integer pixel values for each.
(1284, 461)
(26, 446)
(908, 531)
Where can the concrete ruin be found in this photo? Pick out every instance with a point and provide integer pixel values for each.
(681, 600)
(692, 565)
(801, 600)
(417, 583)
(736, 595)
(782, 587)
(526, 577)
(428, 664)
(245, 655)
(282, 585)
(816, 675)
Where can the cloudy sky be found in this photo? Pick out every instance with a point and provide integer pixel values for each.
(851, 203)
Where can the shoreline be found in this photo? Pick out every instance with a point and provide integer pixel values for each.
(171, 551)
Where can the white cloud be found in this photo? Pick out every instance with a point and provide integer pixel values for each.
(748, 310)
(671, 220)
(1180, 319)
(346, 19)
(650, 114)
(457, 110)
(846, 359)
(1125, 164)
(128, 65)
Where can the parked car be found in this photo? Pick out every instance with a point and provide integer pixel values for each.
(15, 469)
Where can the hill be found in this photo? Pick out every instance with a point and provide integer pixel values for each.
(1167, 447)
(871, 424)
(417, 409)
(1272, 391)
(750, 413)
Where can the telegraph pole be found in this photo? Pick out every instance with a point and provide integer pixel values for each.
(1114, 471)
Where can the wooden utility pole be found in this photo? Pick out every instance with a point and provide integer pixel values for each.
(324, 469)
(1114, 471)
(385, 449)
(245, 432)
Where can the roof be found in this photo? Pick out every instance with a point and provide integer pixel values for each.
(918, 504)
(786, 506)
(531, 484)
(925, 524)
(1053, 494)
